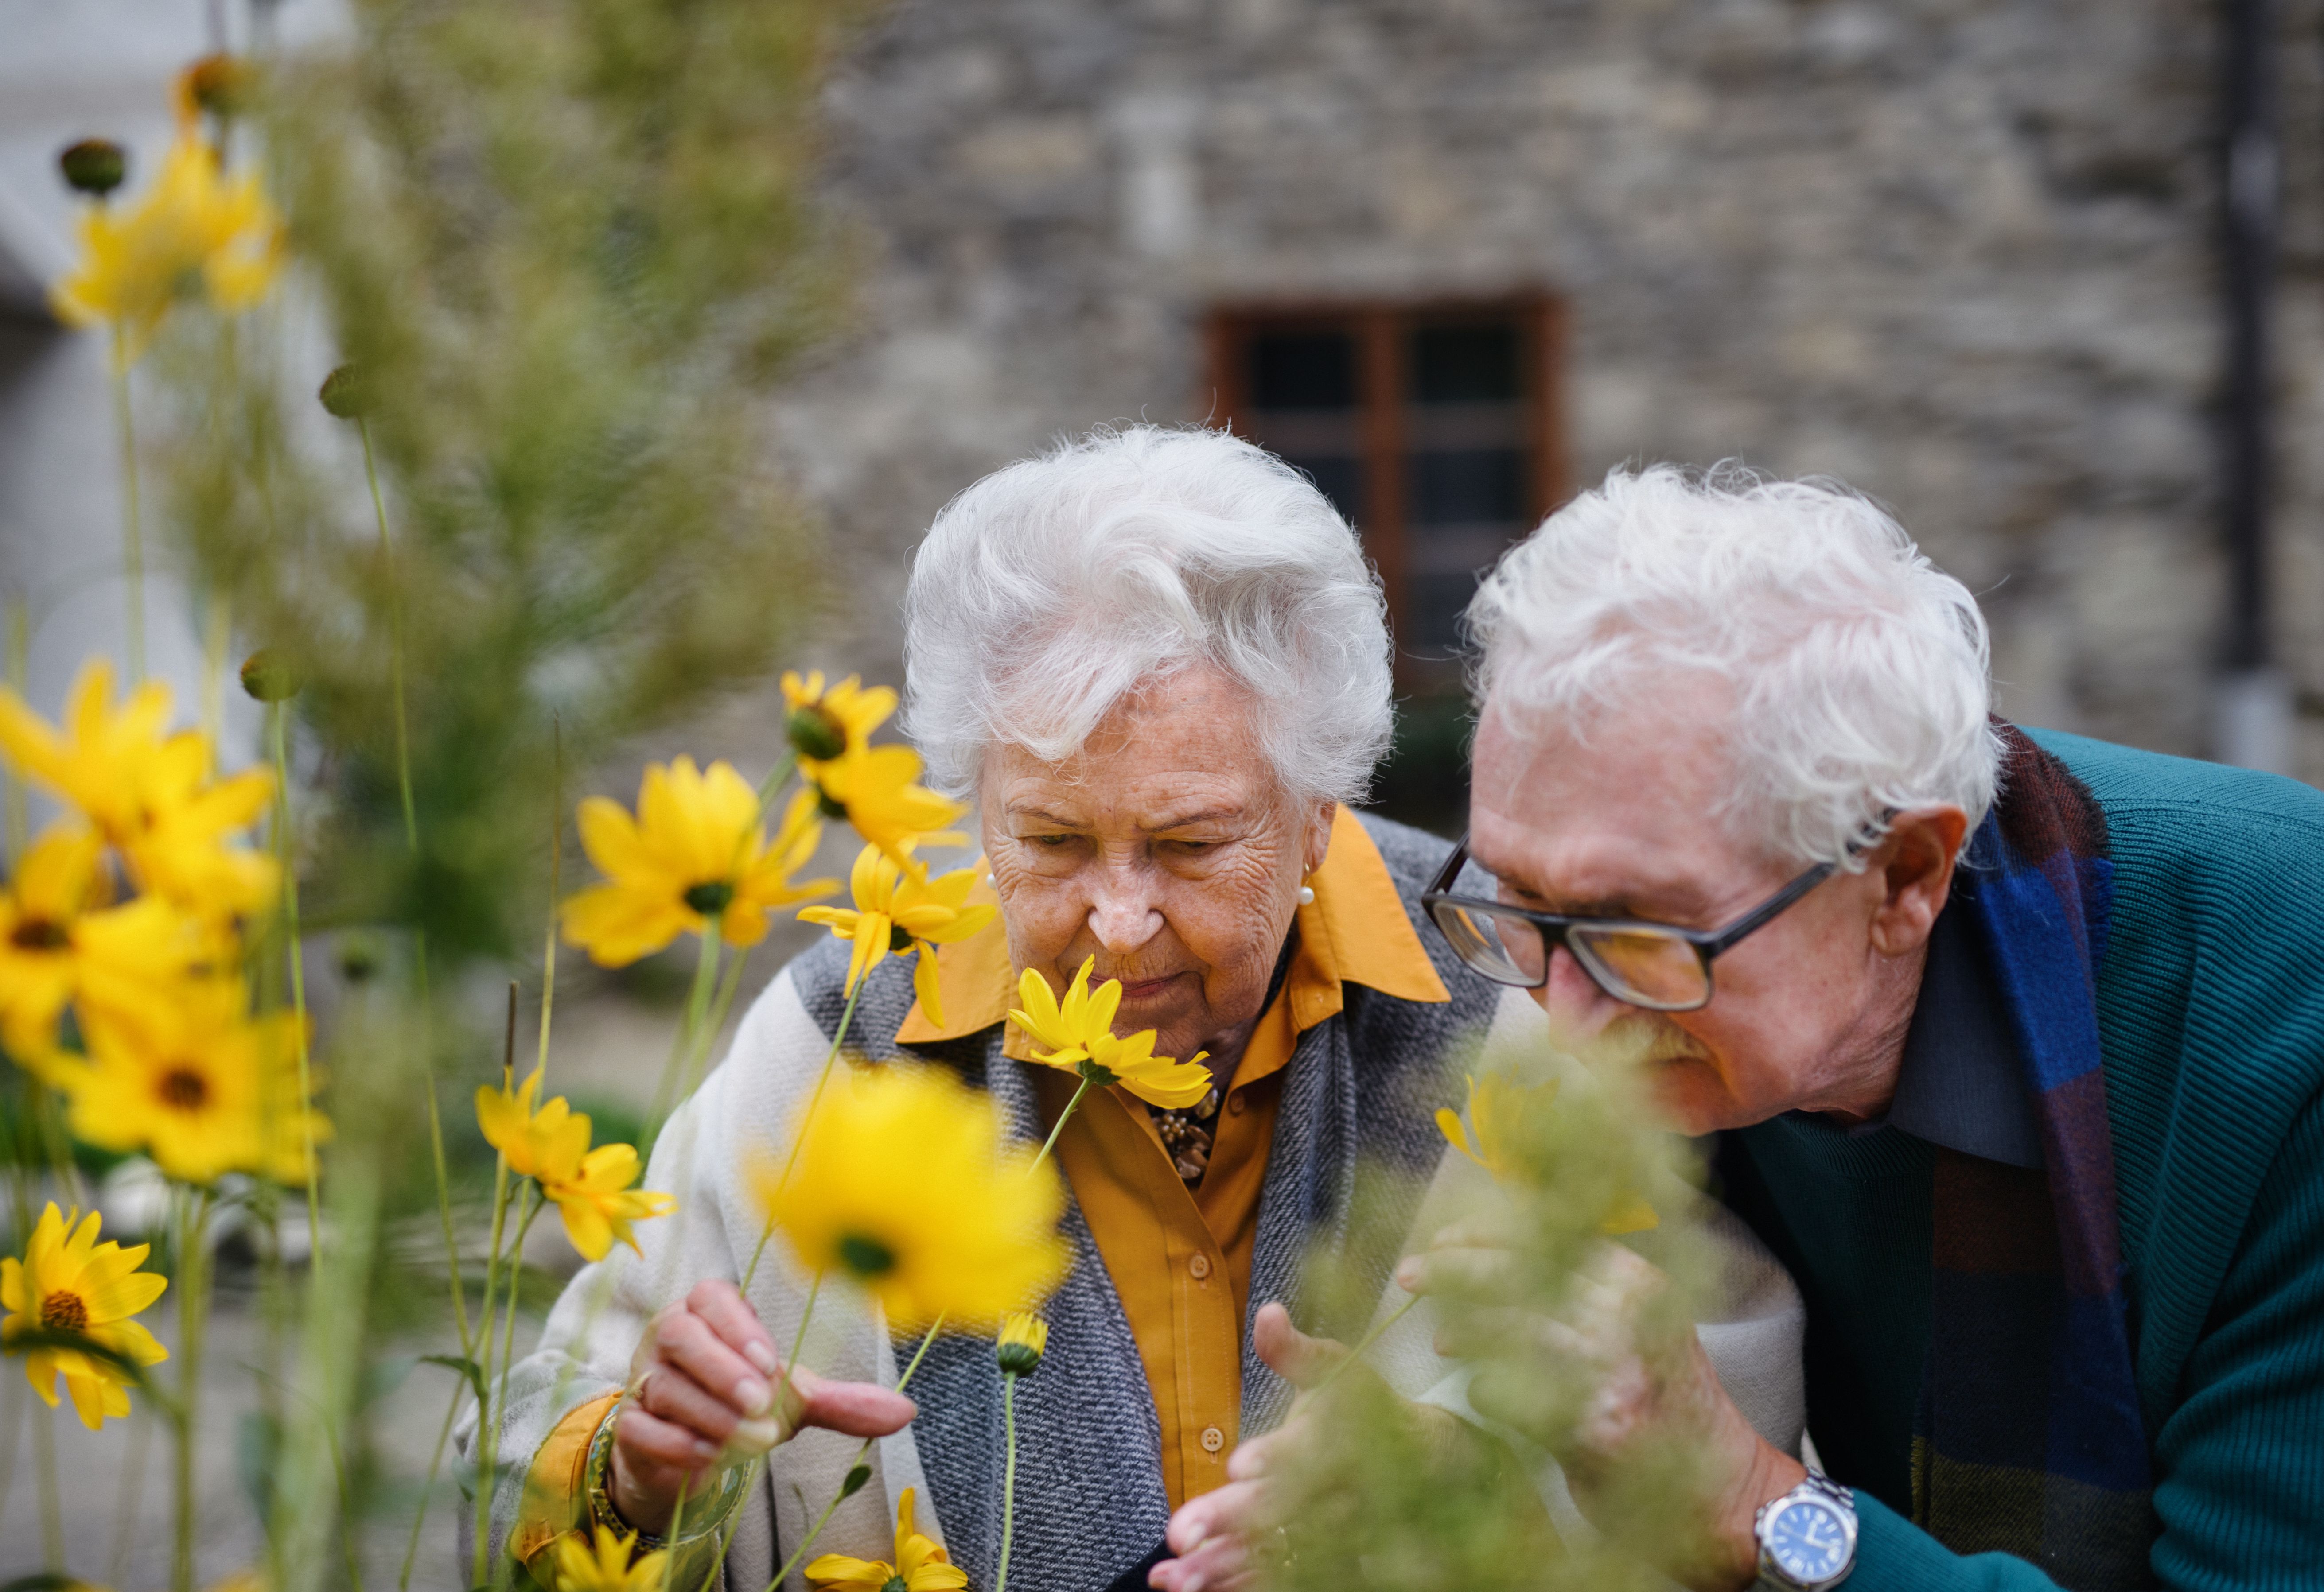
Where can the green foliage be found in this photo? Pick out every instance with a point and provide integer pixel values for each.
(1390, 1496)
(562, 244)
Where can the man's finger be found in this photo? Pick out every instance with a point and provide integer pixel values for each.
(1222, 1564)
(1219, 1512)
(717, 1303)
(1462, 1272)
(1299, 1359)
(859, 1409)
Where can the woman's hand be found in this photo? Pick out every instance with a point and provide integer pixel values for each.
(1637, 1393)
(702, 1390)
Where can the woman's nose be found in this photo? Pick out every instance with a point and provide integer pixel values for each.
(1122, 916)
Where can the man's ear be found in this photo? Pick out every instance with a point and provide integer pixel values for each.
(1915, 863)
(1317, 842)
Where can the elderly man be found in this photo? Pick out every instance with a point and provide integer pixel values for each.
(2012, 1042)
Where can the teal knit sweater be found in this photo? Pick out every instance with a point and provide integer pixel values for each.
(2211, 1024)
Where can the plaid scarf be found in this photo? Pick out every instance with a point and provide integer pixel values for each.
(2029, 1438)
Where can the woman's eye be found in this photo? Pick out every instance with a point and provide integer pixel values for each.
(1050, 841)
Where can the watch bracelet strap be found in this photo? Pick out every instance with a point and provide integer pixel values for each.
(1816, 1482)
(597, 1497)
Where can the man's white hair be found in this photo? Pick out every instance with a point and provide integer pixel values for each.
(1049, 590)
(1860, 670)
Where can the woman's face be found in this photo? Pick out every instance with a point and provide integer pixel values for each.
(1166, 850)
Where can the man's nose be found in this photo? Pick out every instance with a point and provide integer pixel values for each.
(1123, 915)
(1579, 1010)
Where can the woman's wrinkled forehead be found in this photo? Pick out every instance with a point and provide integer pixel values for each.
(1185, 743)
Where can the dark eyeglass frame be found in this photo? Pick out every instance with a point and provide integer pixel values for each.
(1709, 944)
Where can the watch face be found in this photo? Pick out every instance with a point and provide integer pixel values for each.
(1808, 1540)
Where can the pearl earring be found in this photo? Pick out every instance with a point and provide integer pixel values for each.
(1306, 896)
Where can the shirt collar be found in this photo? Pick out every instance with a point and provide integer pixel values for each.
(1960, 1084)
(1356, 930)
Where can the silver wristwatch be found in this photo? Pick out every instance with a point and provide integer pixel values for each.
(1807, 1537)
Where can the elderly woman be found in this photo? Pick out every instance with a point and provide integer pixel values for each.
(1156, 661)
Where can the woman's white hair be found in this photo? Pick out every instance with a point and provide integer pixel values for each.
(1860, 670)
(1049, 590)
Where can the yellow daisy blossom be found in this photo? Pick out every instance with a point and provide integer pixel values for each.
(1079, 1034)
(920, 1565)
(1024, 1339)
(597, 1204)
(607, 1568)
(68, 1282)
(825, 725)
(1504, 1118)
(201, 1086)
(695, 851)
(878, 790)
(903, 1182)
(532, 1140)
(59, 941)
(895, 911)
(148, 794)
(197, 234)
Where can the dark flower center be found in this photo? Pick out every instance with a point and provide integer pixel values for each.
(817, 732)
(899, 939)
(826, 806)
(64, 1312)
(40, 934)
(711, 897)
(866, 1257)
(183, 1089)
(895, 1584)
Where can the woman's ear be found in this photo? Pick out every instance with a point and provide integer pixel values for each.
(1318, 839)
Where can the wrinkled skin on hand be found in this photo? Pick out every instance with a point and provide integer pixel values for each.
(702, 1396)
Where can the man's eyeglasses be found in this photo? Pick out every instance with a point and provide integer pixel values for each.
(1652, 965)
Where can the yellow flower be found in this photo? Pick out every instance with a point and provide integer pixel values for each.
(150, 796)
(198, 234)
(608, 1569)
(598, 1202)
(532, 1140)
(877, 790)
(895, 911)
(70, 1283)
(1079, 1033)
(695, 851)
(902, 1182)
(1506, 1117)
(59, 943)
(826, 726)
(196, 1082)
(920, 1565)
(1024, 1339)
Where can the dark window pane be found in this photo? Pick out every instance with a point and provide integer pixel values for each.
(1465, 364)
(1472, 487)
(1303, 370)
(1340, 478)
(1432, 613)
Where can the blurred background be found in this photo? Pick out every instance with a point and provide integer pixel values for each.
(2044, 276)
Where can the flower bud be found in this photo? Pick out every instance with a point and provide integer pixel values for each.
(268, 677)
(343, 393)
(93, 166)
(815, 732)
(1023, 1338)
(220, 84)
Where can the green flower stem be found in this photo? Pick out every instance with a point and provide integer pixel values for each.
(480, 1569)
(829, 1057)
(428, 1490)
(132, 534)
(530, 1204)
(1008, 1481)
(19, 668)
(52, 1507)
(698, 1003)
(1368, 1340)
(278, 717)
(193, 1313)
(1063, 1117)
(395, 644)
(714, 1023)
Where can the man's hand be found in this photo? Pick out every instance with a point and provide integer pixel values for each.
(702, 1389)
(1636, 1394)
(1213, 1535)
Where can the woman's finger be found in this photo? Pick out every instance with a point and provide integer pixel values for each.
(1461, 1272)
(859, 1409)
(645, 1438)
(669, 1395)
(723, 1308)
(685, 1339)
(1220, 1512)
(1299, 1359)
(1222, 1564)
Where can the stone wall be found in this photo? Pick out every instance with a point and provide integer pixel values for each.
(1960, 252)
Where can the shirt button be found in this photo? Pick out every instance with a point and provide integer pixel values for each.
(1235, 1103)
(1200, 1266)
(1214, 1439)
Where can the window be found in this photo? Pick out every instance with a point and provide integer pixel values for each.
(1434, 428)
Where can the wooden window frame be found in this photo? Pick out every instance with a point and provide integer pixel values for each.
(1380, 325)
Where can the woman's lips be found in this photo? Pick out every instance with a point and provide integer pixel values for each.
(1146, 988)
